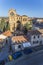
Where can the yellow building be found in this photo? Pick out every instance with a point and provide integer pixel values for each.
(15, 19)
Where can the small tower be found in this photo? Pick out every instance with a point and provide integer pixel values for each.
(12, 19)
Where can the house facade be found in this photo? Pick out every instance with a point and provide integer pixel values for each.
(19, 43)
(9, 35)
(35, 37)
(41, 31)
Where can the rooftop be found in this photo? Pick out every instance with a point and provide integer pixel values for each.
(7, 33)
(34, 32)
(19, 39)
(24, 15)
(2, 37)
(41, 30)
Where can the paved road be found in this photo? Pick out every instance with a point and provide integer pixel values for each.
(36, 59)
(33, 59)
(4, 53)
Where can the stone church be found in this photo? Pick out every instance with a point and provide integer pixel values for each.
(14, 19)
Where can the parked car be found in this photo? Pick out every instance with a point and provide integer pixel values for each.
(27, 51)
(17, 55)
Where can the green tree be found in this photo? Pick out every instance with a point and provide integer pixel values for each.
(28, 25)
(2, 24)
(4, 29)
(7, 26)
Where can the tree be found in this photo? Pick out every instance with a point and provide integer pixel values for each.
(2, 24)
(4, 29)
(28, 25)
(7, 26)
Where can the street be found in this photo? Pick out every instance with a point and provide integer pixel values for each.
(32, 59)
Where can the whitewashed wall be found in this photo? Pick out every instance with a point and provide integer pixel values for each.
(36, 39)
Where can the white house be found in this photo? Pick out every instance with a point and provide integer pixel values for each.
(9, 35)
(19, 43)
(41, 31)
(34, 37)
(2, 40)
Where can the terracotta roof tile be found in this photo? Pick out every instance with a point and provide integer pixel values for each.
(19, 39)
(41, 31)
(7, 33)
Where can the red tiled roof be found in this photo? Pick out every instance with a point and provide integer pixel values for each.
(19, 39)
(7, 33)
(41, 31)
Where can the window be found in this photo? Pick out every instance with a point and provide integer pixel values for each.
(6, 41)
(33, 42)
(38, 36)
(36, 41)
(34, 37)
(19, 46)
(11, 13)
(40, 42)
(24, 19)
(19, 17)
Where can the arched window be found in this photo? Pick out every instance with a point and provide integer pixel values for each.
(11, 13)
(18, 25)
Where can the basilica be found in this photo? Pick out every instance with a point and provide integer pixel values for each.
(15, 19)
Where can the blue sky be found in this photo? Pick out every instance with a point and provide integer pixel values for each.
(32, 8)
